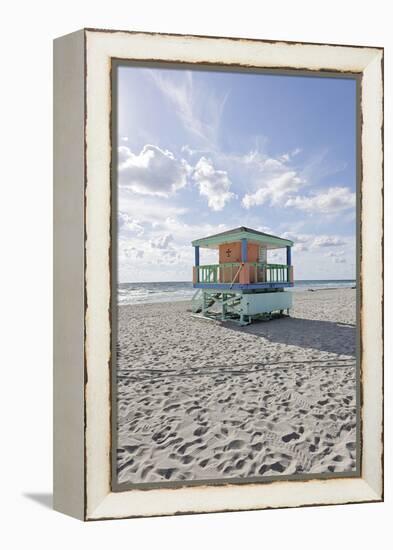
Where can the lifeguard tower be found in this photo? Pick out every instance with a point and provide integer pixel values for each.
(242, 286)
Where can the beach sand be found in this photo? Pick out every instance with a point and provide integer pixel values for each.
(204, 400)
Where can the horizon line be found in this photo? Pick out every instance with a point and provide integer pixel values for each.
(188, 281)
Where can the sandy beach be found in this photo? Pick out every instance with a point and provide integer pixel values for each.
(204, 400)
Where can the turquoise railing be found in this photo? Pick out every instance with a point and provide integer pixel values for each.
(217, 273)
(229, 273)
(269, 273)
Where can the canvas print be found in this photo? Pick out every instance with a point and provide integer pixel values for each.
(234, 276)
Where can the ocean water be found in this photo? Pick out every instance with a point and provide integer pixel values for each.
(149, 293)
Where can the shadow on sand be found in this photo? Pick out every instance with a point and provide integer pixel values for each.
(327, 336)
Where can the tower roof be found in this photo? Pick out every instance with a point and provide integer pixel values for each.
(238, 233)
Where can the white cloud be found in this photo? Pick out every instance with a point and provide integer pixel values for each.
(155, 241)
(306, 241)
(186, 232)
(298, 237)
(338, 257)
(134, 253)
(139, 257)
(286, 157)
(269, 180)
(300, 247)
(162, 242)
(264, 229)
(213, 184)
(335, 253)
(332, 201)
(152, 211)
(327, 240)
(302, 242)
(130, 249)
(276, 189)
(278, 181)
(127, 224)
(153, 172)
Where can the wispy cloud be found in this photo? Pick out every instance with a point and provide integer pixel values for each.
(333, 201)
(199, 108)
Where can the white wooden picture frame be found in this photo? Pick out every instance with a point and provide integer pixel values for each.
(82, 256)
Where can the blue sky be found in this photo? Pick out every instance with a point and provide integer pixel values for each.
(205, 151)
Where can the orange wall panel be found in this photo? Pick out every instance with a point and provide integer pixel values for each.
(253, 252)
(230, 252)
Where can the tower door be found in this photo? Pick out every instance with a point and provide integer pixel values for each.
(262, 255)
(262, 260)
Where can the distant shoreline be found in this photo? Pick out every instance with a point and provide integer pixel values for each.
(331, 288)
(297, 281)
(187, 299)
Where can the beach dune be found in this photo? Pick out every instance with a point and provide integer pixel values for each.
(205, 400)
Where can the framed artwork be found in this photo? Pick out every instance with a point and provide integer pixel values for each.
(218, 274)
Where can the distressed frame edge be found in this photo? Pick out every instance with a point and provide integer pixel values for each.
(372, 266)
(375, 492)
(357, 492)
